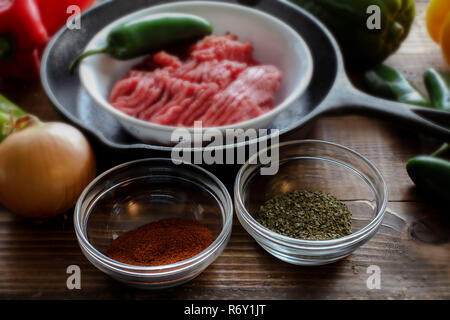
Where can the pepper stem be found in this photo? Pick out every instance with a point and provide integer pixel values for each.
(86, 54)
(444, 148)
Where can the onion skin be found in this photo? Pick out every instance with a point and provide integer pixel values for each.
(44, 168)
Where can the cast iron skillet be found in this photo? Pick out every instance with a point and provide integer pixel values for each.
(330, 89)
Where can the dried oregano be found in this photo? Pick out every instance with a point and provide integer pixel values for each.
(308, 215)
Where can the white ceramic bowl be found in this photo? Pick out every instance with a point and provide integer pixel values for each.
(274, 42)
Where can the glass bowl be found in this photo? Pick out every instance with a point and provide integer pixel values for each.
(316, 166)
(139, 192)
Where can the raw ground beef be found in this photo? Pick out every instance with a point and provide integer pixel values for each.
(218, 83)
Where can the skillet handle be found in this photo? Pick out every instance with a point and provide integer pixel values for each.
(427, 121)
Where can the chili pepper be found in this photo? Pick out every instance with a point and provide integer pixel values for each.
(8, 110)
(138, 37)
(347, 20)
(389, 83)
(438, 85)
(431, 174)
(22, 38)
(54, 13)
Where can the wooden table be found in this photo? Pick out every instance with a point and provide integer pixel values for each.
(411, 248)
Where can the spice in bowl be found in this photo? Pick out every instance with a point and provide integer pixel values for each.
(306, 215)
(160, 243)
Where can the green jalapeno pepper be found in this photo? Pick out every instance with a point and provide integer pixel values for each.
(387, 82)
(438, 86)
(141, 36)
(431, 175)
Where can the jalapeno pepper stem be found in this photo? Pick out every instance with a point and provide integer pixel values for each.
(444, 148)
(78, 59)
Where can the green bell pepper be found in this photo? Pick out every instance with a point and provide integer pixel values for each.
(347, 20)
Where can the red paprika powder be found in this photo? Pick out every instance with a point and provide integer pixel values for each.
(160, 243)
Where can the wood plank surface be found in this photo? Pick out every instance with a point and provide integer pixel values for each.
(412, 247)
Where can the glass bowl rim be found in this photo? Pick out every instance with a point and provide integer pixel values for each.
(156, 271)
(242, 212)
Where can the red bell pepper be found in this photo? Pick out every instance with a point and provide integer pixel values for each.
(22, 38)
(54, 12)
(25, 27)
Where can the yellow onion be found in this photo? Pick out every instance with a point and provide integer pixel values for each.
(44, 168)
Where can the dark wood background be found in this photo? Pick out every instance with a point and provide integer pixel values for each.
(412, 247)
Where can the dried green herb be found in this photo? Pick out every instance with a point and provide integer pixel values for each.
(308, 215)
